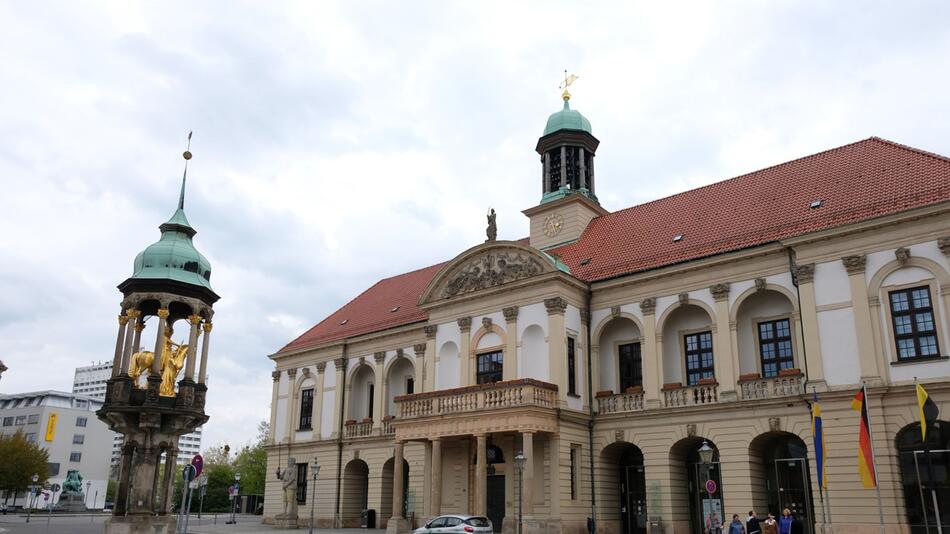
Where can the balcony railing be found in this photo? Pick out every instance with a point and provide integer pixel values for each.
(623, 402)
(358, 430)
(770, 388)
(388, 428)
(691, 395)
(497, 395)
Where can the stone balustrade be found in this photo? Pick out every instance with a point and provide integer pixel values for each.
(497, 395)
(770, 388)
(388, 428)
(691, 395)
(358, 430)
(620, 403)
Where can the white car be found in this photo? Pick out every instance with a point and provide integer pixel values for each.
(456, 524)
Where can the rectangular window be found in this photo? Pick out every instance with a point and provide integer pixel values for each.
(7, 421)
(301, 483)
(775, 347)
(369, 402)
(574, 451)
(571, 373)
(489, 367)
(31, 437)
(915, 331)
(33, 419)
(75, 456)
(52, 469)
(81, 421)
(699, 357)
(79, 439)
(306, 409)
(631, 368)
(20, 420)
(410, 385)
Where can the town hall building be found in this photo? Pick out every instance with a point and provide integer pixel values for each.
(651, 365)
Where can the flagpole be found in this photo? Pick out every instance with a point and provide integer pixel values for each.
(930, 465)
(877, 481)
(820, 466)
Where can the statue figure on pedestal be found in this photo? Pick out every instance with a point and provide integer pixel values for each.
(492, 231)
(173, 359)
(288, 484)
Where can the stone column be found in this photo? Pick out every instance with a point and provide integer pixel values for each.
(467, 377)
(724, 354)
(527, 444)
(137, 341)
(159, 341)
(143, 471)
(119, 344)
(510, 369)
(481, 475)
(429, 374)
(581, 164)
(168, 487)
(805, 276)
(275, 375)
(556, 477)
(291, 403)
(435, 508)
(557, 345)
(203, 370)
(398, 504)
(125, 474)
(563, 166)
(652, 359)
(420, 367)
(379, 396)
(867, 357)
(340, 364)
(547, 172)
(195, 321)
(129, 337)
(317, 418)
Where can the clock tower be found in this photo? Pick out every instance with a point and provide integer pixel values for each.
(568, 202)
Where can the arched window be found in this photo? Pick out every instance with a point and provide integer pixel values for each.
(919, 485)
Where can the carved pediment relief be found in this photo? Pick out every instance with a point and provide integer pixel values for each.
(486, 266)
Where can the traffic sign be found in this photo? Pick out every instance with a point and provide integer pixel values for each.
(711, 486)
(188, 473)
(199, 463)
(54, 488)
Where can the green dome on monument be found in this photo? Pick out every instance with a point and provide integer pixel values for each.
(567, 119)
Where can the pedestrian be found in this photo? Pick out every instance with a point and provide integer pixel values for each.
(736, 526)
(752, 524)
(785, 522)
(770, 525)
(713, 524)
(3, 508)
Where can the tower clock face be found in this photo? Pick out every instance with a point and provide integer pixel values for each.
(553, 224)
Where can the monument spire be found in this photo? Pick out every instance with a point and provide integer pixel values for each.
(184, 177)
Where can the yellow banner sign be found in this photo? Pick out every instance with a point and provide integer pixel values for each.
(51, 427)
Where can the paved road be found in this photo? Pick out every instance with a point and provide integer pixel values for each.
(93, 524)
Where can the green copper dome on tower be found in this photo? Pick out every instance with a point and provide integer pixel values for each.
(566, 119)
(174, 256)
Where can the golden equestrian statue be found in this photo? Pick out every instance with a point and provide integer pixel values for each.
(173, 359)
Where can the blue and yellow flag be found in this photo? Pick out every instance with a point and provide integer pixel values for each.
(819, 436)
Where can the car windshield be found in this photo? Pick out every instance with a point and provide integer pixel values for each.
(477, 521)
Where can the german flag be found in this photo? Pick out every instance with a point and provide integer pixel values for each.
(928, 411)
(865, 452)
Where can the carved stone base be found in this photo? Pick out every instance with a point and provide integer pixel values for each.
(140, 524)
(286, 521)
(71, 502)
(398, 525)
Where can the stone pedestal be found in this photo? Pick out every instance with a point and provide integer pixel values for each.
(71, 502)
(140, 524)
(398, 525)
(286, 521)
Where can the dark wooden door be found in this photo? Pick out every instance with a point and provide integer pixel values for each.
(496, 500)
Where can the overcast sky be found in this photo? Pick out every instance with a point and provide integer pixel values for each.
(336, 144)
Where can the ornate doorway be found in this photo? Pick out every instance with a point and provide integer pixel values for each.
(496, 500)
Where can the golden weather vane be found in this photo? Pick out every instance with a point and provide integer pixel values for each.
(568, 80)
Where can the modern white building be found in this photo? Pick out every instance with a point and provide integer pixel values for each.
(91, 381)
(66, 426)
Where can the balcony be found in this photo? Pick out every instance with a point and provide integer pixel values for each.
(788, 385)
(354, 429)
(697, 395)
(497, 407)
(620, 403)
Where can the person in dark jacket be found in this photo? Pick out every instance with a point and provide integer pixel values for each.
(736, 526)
(752, 524)
(785, 522)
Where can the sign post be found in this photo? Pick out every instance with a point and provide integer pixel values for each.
(188, 474)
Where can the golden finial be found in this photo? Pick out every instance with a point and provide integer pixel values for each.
(568, 80)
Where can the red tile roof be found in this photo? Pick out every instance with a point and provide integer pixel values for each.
(863, 180)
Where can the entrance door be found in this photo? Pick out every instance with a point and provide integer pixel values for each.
(496, 500)
(792, 489)
(633, 500)
(631, 372)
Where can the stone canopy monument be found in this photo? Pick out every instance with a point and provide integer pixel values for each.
(170, 283)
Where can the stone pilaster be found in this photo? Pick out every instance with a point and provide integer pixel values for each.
(467, 375)
(527, 443)
(429, 375)
(855, 266)
(724, 354)
(481, 474)
(804, 276)
(379, 395)
(291, 403)
(317, 419)
(557, 345)
(652, 360)
(340, 364)
(275, 390)
(420, 366)
(510, 370)
(436, 488)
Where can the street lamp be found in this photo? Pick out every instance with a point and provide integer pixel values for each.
(234, 497)
(520, 460)
(85, 498)
(706, 453)
(313, 491)
(29, 508)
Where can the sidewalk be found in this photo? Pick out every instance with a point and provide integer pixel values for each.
(260, 528)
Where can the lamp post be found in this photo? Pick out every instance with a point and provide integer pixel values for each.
(313, 490)
(705, 457)
(234, 497)
(29, 507)
(519, 463)
(85, 498)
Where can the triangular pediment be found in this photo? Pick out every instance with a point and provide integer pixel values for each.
(489, 265)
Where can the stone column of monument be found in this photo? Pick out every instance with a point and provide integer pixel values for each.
(170, 282)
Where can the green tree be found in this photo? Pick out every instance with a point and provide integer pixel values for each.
(21, 460)
(220, 477)
(110, 490)
(251, 462)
